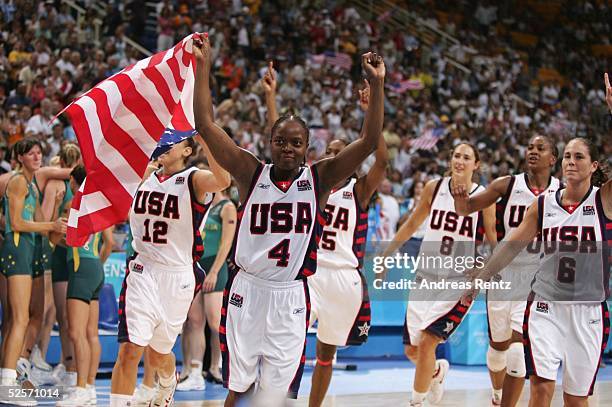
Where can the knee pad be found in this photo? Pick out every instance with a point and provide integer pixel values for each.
(516, 360)
(496, 359)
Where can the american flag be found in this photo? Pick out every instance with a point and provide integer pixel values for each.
(402, 86)
(118, 124)
(427, 140)
(339, 59)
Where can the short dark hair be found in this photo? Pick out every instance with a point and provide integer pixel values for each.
(24, 146)
(79, 174)
(288, 117)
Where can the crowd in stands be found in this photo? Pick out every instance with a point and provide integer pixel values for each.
(512, 86)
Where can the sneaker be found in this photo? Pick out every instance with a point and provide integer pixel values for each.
(164, 397)
(213, 378)
(24, 369)
(42, 377)
(92, 395)
(79, 397)
(58, 372)
(415, 404)
(143, 395)
(195, 381)
(496, 399)
(25, 401)
(69, 379)
(38, 361)
(436, 391)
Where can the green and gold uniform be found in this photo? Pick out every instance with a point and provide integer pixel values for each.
(212, 238)
(43, 241)
(20, 254)
(59, 257)
(86, 275)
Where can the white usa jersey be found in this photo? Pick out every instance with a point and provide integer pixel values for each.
(345, 231)
(510, 211)
(449, 234)
(575, 245)
(165, 219)
(278, 231)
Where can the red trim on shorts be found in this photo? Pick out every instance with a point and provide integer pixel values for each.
(529, 361)
(294, 387)
(605, 327)
(225, 355)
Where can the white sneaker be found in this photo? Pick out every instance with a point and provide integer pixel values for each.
(25, 401)
(195, 381)
(436, 391)
(79, 397)
(58, 372)
(93, 400)
(24, 370)
(69, 379)
(496, 399)
(143, 395)
(42, 377)
(38, 361)
(164, 397)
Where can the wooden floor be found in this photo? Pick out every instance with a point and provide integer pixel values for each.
(452, 398)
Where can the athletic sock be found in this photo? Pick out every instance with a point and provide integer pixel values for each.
(120, 400)
(167, 381)
(418, 397)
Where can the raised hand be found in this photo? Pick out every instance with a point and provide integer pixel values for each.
(608, 91)
(364, 96)
(201, 50)
(269, 80)
(374, 66)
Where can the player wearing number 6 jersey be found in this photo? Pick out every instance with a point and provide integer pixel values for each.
(266, 306)
(162, 275)
(505, 309)
(431, 321)
(566, 319)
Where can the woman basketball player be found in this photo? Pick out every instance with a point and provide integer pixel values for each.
(513, 194)
(566, 318)
(19, 255)
(162, 276)
(265, 307)
(339, 293)
(430, 322)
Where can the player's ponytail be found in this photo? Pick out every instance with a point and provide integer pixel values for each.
(69, 155)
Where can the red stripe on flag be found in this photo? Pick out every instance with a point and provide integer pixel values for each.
(161, 86)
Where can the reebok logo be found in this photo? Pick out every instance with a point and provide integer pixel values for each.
(347, 195)
(298, 310)
(304, 185)
(550, 214)
(594, 321)
(179, 181)
(236, 300)
(542, 307)
(263, 186)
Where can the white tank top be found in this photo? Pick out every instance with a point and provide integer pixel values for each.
(165, 219)
(278, 231)
(345, 231)
(575, 249)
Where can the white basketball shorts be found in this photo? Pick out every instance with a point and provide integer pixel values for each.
(154, 302)
(263, 334)
(441, 318)
(503, 317)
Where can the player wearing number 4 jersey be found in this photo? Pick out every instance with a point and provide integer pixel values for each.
(566, 320)
(430, 321)
(505, 309)
(266, 307)
(162, 275)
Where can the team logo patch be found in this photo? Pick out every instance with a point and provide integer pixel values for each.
(304, 185)
(347, 195)
(263, 186)
(588, 210)
(236, 300)
(542, 307)
(179, 181)
(137, 268)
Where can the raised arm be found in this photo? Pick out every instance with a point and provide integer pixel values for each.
(333, 170)
(239, 162)
(608, 91)
(367, 184)
(417, 217)
(45, 174)
(466, 204)
(228, 228)
(16, 191)
(268, 82)
(606, 198)
(217, 179)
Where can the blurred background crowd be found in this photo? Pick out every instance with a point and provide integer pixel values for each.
(489, 72)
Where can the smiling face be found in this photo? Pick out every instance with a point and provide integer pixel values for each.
(540, 154)
(178, 152)
(289, 144)
(464, 161)
(577, 163)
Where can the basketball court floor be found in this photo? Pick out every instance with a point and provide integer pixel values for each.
(386, 383)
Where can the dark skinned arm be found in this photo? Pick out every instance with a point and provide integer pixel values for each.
(466, 204)
(269, 86)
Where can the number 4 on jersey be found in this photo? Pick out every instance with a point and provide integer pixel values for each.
(280, 252)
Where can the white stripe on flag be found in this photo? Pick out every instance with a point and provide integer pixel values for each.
(166, 73)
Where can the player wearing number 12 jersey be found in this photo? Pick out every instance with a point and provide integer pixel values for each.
(162, 275)
(266, 307)
(431, 321)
